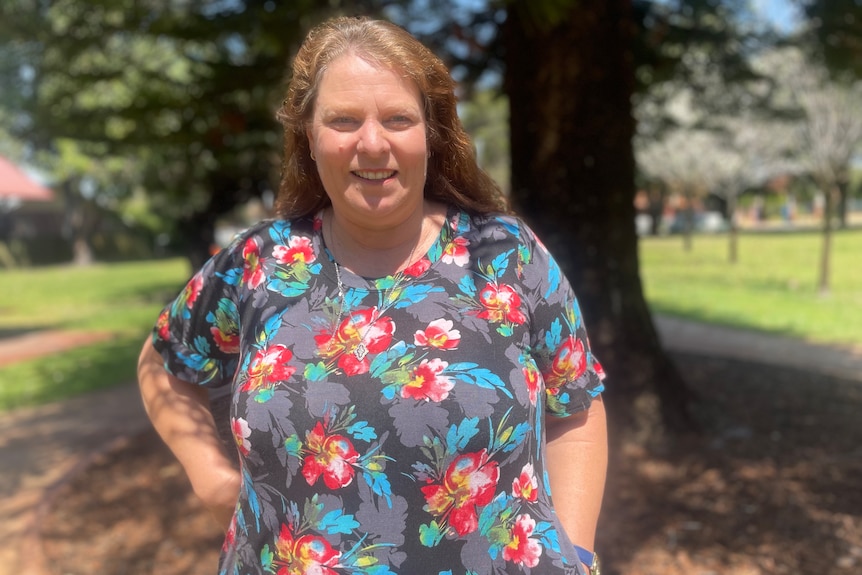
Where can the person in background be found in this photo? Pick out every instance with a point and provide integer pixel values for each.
(412, 386)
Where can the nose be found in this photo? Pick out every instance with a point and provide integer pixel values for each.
(372, 139)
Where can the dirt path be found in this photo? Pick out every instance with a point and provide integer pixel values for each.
(43, 447)
(40, 343)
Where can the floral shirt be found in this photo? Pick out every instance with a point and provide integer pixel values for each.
(395, 425)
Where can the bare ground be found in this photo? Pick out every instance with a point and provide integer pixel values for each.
(772, 486)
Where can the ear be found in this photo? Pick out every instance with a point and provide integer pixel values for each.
(310, 135)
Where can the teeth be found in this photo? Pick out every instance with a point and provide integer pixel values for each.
(374, 174)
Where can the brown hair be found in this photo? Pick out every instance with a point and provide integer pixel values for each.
(453, 177)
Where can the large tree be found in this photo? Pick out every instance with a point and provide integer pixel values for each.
(570, 80)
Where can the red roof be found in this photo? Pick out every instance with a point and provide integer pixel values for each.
(14, 183)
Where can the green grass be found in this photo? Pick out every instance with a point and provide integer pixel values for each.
(121, 299)
(773, 286)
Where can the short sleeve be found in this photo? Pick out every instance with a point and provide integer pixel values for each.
(558, 337)
(197, 334)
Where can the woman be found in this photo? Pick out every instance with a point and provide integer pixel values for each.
(409, 371)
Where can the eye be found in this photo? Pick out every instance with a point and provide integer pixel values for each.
(343, 122)
(401, 121)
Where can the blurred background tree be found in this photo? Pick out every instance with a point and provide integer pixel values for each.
(163, 111)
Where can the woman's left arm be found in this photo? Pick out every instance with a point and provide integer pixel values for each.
(577, 461)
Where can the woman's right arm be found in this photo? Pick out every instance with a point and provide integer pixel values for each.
(180, 412)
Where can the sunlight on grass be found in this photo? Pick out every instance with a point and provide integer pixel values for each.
(123, 299)
(772, 287)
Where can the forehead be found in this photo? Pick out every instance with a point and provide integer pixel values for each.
(351, 76)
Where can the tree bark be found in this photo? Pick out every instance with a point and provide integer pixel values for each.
(830, 195)
(569, 84)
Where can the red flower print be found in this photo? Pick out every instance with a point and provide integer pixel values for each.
(418, 268)
(307, 555)
(163, 327)
(501, 304)
(426, 382)
(230, 536)
(470, 480)
(241, 433)
(191, 291)
(299, 251)
(269, 366)
(456, 252)
(364, 327)
(332, 456)
(521, 549)
(252, 270)
(227, 342)
(439, 334)
(569, 363)
(526, 485)
(531, 378)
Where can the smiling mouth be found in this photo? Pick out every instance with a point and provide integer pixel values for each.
(374, 175)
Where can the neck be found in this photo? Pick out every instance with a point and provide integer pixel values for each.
(378, 253)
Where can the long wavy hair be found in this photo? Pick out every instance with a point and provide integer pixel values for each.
(453, 176)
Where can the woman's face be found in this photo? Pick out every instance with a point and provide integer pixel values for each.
(368, 136)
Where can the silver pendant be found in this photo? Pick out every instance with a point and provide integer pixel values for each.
(360, 351)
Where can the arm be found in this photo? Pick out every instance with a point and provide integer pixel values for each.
(577, 459)
(179, 411)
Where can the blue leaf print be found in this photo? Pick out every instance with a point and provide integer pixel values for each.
(554, 277)
(279, 231)
(492, 511)
(353, 297)
(521, 431)
(431, 534)
(510, 225)
(264, 395)
(315, 371)
(383, 361)
(266, 557)
(501, 264)
(460, 435)
(550, 540)
(553, 336)
(287, 289)
(293, 445)
(414, 294)
(336, 522)
(270, 328)
(467, 286)
(379, 484)
(470, 373)
(379, 570)
(231, 277)
(253, 501)
(362, 431)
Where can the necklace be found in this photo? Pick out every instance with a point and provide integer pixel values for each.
(361, 350)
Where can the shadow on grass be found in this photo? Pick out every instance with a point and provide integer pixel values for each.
(770, 487)
(712, 318)
(69, 373)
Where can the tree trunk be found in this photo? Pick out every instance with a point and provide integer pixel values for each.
(842, 201)
(569, 85)
(732, 232)
(830, 195)
(688, 223)
(77, 221)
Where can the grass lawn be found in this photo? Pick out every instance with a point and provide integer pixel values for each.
(773, 286)
(122, 299)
